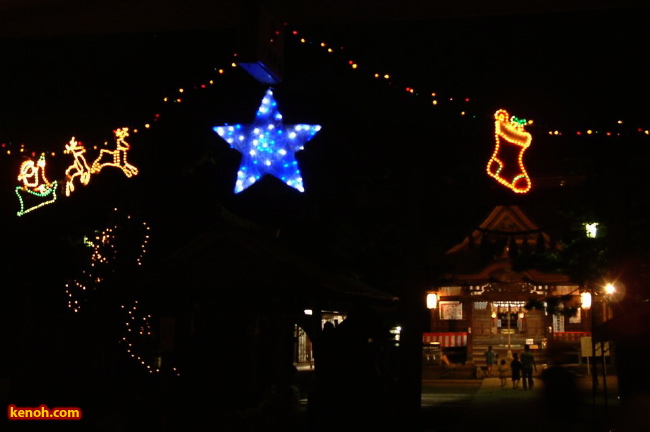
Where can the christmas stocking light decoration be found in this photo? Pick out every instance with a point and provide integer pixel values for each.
(268, 146)
(510, 135)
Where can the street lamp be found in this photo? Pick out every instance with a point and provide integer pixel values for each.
(585, 300)
(591, 229)
(432, 300)
(609, 291)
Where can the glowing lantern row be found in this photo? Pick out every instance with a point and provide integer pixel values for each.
(510, 132)
(267, 146)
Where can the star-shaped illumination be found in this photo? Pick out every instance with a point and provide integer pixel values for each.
(267, 146)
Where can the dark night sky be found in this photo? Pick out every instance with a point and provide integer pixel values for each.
(392, 181)
(385, 160)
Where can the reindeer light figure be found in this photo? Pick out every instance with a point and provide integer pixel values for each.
(79, 167)
(117, 157)
(36, 190)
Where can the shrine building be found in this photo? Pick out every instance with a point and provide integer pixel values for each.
(482, 300)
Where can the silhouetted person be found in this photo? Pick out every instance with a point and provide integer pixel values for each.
(364, 386)
(278, 407)
(561, 395)
(528, 367)
(326, 351)
(490, 359)
(515, 368)
(324, 404)
(504, 371)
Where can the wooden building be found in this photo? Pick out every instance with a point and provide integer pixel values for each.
(482, 301)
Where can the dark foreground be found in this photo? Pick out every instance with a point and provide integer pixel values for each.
(448, 404)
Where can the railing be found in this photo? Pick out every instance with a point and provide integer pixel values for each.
(569, 336)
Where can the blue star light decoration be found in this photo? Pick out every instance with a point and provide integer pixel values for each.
(267, 146)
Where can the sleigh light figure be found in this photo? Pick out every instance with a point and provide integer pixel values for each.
(36, 190)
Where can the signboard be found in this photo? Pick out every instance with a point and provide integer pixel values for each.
(451, 310)
(586, 349)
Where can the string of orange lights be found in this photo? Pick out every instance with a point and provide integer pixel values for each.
(462, 105)
(80, 170)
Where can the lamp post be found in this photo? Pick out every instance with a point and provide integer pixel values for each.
(509, 352)
(432, 303)
(586, 300)
(432, 300)
(609, 290)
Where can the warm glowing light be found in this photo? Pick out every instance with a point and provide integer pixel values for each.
(511, 131)
(610, 289)
(591, 229)
(585, 299)
(79, 167)
(432, 300)
(268, 146)
(36, 190)
(103, 259)
(116, 158)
